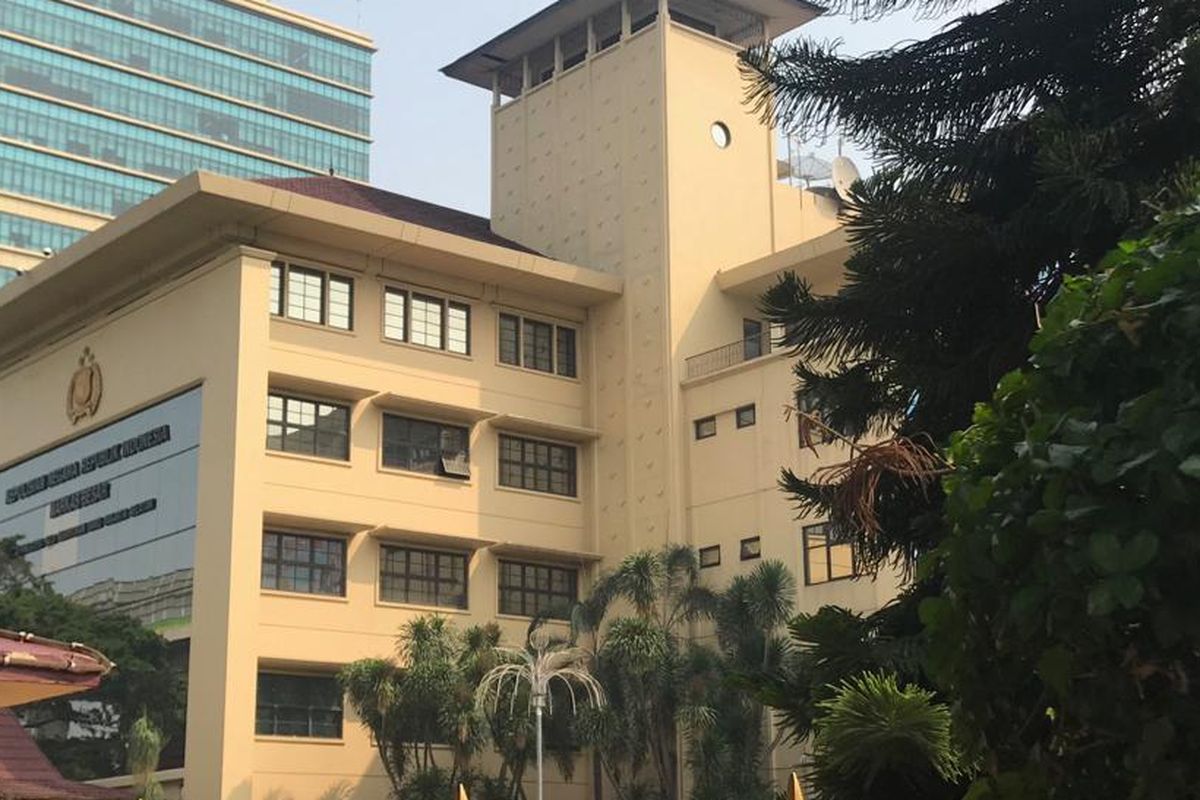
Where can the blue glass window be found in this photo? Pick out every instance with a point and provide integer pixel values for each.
(83, 133)
(190, 63)
(71, 183)
(247, 32)
(34, 234)
(90, 85)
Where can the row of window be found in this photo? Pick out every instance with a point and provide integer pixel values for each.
(826, 556)
(420, 318)
(34, 234)
(71, 183)
(190, 63)
(82, 82)
(244, 31)
(311, 564)
(322, 429)
(125, 144)
(744, 417)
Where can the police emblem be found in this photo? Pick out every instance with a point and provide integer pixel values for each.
(83, 395)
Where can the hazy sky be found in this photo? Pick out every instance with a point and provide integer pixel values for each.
(432, 133)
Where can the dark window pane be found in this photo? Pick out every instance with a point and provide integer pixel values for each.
(746, 416)
(422, 446)
(710, 556)
(510, 340)
(537, 466)
(307, 564)
(706, 427)
(752, 339)
(298, 705)
(304, 426)
(538, 345)
(423, 577)
(566, 352)
(826, 557)
(527, 589)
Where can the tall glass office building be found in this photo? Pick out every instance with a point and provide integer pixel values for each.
(105, 102)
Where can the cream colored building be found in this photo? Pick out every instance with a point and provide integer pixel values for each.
(319, 409)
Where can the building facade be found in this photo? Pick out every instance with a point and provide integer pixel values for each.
(105, 102)
(302, 411)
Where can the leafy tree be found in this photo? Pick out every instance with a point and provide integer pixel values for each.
(1069, 624)
(145, 747)
(1016, 146)
(147, 678)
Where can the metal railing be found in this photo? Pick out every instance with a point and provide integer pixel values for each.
(745, 349)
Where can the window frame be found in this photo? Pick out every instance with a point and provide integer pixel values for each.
(696, 423)
(287, 396)
(752, 339)
(827, 547)
(712, 548)
(447, 304)
(322, 676)
(737, 416)
(755, 541)
(525, 589)
(278, 304)
(440, 470)
(409, 549)
(558, 368)
(311, 537)
(572, 472)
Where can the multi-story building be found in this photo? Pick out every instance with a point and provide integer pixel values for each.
(105, 102)
(300, 412)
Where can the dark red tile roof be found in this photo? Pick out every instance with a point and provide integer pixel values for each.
(26, 774)
(397, 206)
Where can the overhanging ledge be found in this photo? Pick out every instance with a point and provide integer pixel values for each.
(820, 260)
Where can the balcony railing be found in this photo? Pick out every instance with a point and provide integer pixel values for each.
(745, 349)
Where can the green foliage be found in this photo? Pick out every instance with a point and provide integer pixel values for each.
(879, 741)
(147, 677)
(1069, 625)
(145, 747)
(1017, 146)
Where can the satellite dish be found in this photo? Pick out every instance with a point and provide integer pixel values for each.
(844, 176)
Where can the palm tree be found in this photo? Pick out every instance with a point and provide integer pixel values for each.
(538, 665)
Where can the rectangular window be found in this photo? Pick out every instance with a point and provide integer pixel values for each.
(752, 339)
(311, 295)
(706, 427)
(710, 556)
(825, 557)
(537, 466)
(418, 445)
(528, 590)
(308, 706)
(422, 577)
(426, 320)
(751, 548)
(746, 416)
(310, 427)
(537, 345)
(306, 564)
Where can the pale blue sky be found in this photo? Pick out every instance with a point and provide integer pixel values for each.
(431, 133)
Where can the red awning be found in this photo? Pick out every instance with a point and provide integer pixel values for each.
(32, 668)
(26, 773)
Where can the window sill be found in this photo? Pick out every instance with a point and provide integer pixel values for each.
(519, 618)
(542, 495)
(425, 476)
(324, 598)
(312, 326)
(420, 348)
(332, 462)
(527, 371)
(463, 612)
(843, 579)
(259, 737)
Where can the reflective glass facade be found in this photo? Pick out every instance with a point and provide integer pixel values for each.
(104, 102)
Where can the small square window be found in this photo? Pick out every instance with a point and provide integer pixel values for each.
(706, 427)
(751, 548)
(746, 416)
(710, 556)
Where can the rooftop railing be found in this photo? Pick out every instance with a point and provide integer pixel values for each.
(719, 358)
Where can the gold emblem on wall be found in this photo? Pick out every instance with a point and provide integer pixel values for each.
(83, 395)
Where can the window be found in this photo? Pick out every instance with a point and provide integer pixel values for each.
(751, 548)
(527, 590)
(420, 446)
(720, 135)
(311, 427)
(537, 345)
(306, 564)
(710, 556)
(422, 577)
(308, 706)
(426, 320)
(706, 427)
(752, 339)
(310, 295)
(825, 558)
(537, 466)
(746, 416)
